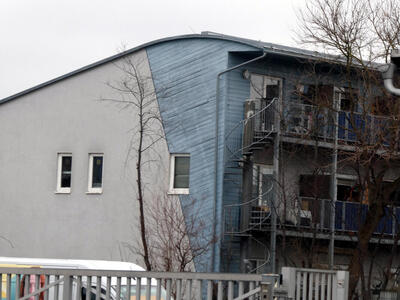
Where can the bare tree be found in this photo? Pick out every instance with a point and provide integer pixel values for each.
(361, 33)
(136, 93)
(178, 237)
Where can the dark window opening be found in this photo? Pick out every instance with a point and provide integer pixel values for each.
(318, 95)
(348, 191)
(315, 186)
(66, 171)
(349, 100)
(97, 172)
(271, 91)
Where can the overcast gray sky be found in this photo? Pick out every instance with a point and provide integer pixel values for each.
(42, 39)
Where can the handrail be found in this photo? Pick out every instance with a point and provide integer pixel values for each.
(132, 274)
(261, 110)
(244, 121)
(250, 201)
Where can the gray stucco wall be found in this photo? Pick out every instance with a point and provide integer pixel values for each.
(68, 117)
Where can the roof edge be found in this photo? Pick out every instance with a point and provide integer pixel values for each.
(203, 35)
(263, 46)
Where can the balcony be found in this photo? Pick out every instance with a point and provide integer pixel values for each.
(348, 217)
(313, 215)
(309, 122)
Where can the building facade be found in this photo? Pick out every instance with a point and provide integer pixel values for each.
(235, 141)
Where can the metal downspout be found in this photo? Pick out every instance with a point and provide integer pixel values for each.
(388, 80)
(389, 72)
(216, 149)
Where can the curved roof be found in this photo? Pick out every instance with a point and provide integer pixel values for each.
(266, 47)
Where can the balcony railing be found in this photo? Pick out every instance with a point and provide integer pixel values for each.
(349, 216)
(309, 121)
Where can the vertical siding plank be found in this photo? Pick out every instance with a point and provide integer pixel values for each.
(8, 287)
(304, 285)
(220, 291)
(329, 288)
(209, 289)
(178, 289)
(158, 290)
(298, 285)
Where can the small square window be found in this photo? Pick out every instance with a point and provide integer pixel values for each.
(95, 183)
(64, 173)
(179, 174)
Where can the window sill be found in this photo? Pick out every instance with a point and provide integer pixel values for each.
(94, 192)
(62, 192)
(178, 192)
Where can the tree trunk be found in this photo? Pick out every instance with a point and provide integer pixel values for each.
(146, 256)
(374, 215)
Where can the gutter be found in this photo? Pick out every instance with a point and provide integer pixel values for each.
(214, 250)
(388, 80)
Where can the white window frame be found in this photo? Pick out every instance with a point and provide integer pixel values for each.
(173, 190)
(59, 189)
(91, 189)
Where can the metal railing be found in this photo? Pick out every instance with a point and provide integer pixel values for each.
(77, 284)
(242, 217)
(310, 121)
(259, 121)
(348, 216)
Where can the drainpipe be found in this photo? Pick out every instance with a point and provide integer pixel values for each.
(214, 250)
(388, 74)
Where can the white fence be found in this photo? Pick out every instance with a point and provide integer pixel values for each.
(309, 284)
(78, 284)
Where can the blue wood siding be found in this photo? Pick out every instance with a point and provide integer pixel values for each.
(184, 74)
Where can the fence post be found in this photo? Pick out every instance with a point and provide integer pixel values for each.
(67, 288)
(289, 281)
(342, 285)
(267, 287)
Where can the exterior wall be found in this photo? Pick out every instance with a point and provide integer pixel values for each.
(68, 116)
(185, 74)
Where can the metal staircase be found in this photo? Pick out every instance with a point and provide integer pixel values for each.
(258, 217)
(247, 136)
(251, 134)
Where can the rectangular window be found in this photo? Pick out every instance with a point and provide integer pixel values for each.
(179, 174)
(96, 164)
(64, 173)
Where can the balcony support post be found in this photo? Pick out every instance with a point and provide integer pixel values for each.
(333, 189)
(276, 186)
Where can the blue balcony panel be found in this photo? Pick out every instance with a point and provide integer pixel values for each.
(386, 223)
(349, 216)
(342, 125)
(338, 215)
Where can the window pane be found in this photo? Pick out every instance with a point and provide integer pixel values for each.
(66, 167)
(97, 175)
(272, 91)
(181, 176)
